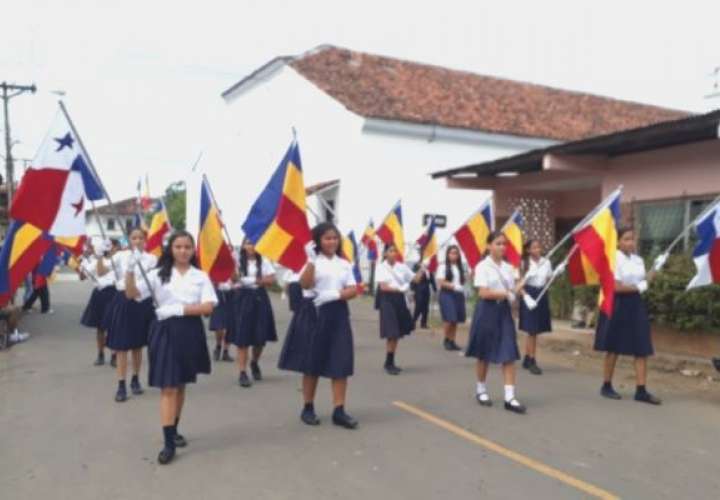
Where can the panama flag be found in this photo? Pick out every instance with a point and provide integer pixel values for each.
(368, 241)
(53, 192)
(472, 235)
(513, 231)
(214, 254)
(596, 238)
(707, 252)
(391, 231)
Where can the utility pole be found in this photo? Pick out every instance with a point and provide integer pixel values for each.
(9, 91)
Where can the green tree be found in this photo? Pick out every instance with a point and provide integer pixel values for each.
(175, 200)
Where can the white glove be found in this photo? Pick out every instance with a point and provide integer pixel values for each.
(511, 297)
(248, 280)
(660, 261)
(169, 311)
(310, 252)
(459, 288)
(327, 296)
(642, 286)
(225, 286)
(99, 250)
(404, 288)
(529, 301)
(560, 269)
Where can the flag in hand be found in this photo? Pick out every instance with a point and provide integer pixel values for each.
(707, 251)
(159, 228)
(368, 241)
(429, 246)
(350, 253)
(24, 247)
(214, 253)
(513, 231)
(53, 191)
(472, 235)
(391, 231)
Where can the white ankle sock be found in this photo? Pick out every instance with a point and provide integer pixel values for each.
(509, 393)
(480, 388)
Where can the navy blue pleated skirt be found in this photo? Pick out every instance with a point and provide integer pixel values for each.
(253, 323)
(628, 330)
(493, 337)
(452, 306)
(108, 314)
(177, 351)
(538, 320)
(295, 296)
(96, 307)
(295, 354)
(219, 317)
(395, 318)
(331, 351)
(129, 323)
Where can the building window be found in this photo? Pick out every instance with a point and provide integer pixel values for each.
(111, 224)
(660, 222)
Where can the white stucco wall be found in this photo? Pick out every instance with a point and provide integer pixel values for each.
(375, 169)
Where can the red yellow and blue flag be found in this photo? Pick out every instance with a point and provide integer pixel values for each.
(596, 238)
(472, 235)
(391, 231)
(513, 231)
(429, 246)
(24, 247)
(159, 227)
(214, 253)
(277, 223)
(350, 253)
(368, 241)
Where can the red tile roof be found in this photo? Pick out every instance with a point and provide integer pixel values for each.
(381, 87)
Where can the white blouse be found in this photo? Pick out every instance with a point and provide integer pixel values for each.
(250, 279)
(122, 264)
(193, 287)
(629, 269)
(538, 272)
(490, 275)
(440, 274)
(88, 266)
(396, 275)
(332, 274)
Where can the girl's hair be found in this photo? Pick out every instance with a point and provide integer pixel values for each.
(141, 230)
(492, 237)
(166, 260)
(526, 253)
(244, 260)
(387, 248)
(449, 266)
(319, 231)
(623, 230)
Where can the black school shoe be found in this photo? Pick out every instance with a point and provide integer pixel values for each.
(483, 401)
(342, 419)
(607, 391)
(716, 363)
(135, 386)
(121, 394)
(244, 380)
(646, 397)
(450, 345)
(515, 406)
(255, 370)
(530, 364)
(100, 360)
(392, 369)
(308, 417)
(180, 441)
(216, 353)
(226, 356)
(166, 456)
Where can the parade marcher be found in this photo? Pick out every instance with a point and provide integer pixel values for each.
(95, 265)
(330, 353)
(537, 271)
(627, 331)
(178, 351)
(219, 319)
(40, 291)
(293, 290)
(393, 280)
(450, 278)
(493, 338)
(129, 319)
(253, 322)
(422, 292)
(105, 323)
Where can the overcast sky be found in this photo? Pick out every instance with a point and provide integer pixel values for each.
(143, 78)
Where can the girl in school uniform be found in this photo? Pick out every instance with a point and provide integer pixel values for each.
(295, 354)
(330, 352)
(219, 319)
(253, 324)
(422, 291)
(393, 280)
(493, 338)
(95, 266)
(450, 277)
(129, 321)
(627, 331)
(178, 349)
(537, 272)
(293, 290)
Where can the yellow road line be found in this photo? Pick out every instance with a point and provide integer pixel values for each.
(512, 455)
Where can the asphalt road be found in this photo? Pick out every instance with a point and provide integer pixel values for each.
(421, 435)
